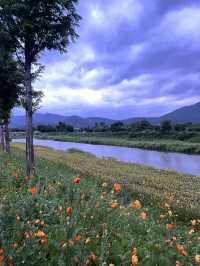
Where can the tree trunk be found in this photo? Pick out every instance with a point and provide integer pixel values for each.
(7, 138)
(29, 125)
(2, 137)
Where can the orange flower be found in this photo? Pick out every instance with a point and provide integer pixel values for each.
(114, 205)
(134, 259)
(32, 190)
(69, 211)
(77, 237)
(197, 259)
(77, 180)
(143, 215)
(2, 258)
(44, 241)
(178, 263)
(180, 248)
(136, 205)
(169, 227)
(117, 187)
(40, 234)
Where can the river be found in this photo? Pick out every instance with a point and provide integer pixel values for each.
(179, 162)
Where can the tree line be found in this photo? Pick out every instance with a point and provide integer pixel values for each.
(145, 129)
(27, 29)
(140, 129)
(60, 127)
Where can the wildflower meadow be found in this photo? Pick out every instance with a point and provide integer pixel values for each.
(63, 216)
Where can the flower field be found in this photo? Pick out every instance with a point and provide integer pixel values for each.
(81, 210)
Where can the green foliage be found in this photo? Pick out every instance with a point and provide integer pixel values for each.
(166, 126)
(10, 79)
(60, 127)
(118, 126)
(38, 25)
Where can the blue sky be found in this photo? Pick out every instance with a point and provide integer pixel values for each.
(133, 58)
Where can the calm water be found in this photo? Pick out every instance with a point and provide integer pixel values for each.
(182, 163)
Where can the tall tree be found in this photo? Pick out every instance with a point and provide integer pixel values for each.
(36, 26)
(10, 86)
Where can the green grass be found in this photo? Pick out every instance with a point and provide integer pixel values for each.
(160, 145)
(113, 235)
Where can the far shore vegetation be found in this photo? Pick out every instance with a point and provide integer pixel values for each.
(184, 138)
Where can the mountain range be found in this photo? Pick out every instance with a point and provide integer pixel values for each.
(182, 115)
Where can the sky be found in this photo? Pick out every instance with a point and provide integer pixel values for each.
(133, 58)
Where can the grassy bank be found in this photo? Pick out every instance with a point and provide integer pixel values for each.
(160, 145)
(56, 218)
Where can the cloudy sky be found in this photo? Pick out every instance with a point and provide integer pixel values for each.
(133, 58)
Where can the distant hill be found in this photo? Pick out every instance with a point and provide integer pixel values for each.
(52, 119)
(187, 114)
(183, 115)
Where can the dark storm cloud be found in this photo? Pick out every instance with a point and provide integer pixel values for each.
(133, 57)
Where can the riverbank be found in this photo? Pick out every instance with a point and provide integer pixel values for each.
(146, 181)
(159, 145)
(79, 209)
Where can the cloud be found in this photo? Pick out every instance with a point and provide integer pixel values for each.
(133, 58)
